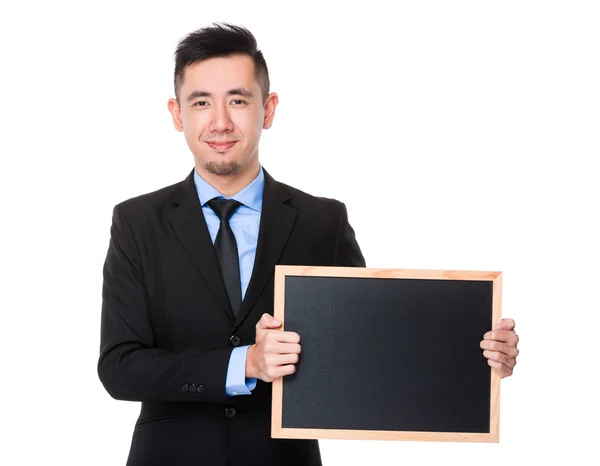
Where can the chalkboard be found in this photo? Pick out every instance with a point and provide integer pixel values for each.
(388, 354)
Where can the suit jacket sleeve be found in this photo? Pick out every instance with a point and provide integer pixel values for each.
(130, 367)
(347, 253)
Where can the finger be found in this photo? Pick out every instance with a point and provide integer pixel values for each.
(287, 370)
(282, 359)
(274, 373)
(505, 348)
(506, 324)
(267, 321)
(501, 369)
(500, 357)
(289, 348)
(507, 336)
(283, 337)
(273, 346)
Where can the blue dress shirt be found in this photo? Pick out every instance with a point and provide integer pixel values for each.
(244, 223)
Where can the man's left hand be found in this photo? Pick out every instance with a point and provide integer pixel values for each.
(500, 347)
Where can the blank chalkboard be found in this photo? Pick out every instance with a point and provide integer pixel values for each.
(388, 354)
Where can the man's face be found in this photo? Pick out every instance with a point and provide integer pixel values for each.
(221, 114)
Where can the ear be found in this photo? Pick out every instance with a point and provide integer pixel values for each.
(270, 105)
(176, 114)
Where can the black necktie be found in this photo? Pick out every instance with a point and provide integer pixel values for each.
(227, 252)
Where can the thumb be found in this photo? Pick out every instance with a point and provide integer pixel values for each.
(268, 321)
(506, 324)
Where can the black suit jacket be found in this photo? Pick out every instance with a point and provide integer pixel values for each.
(167, 330)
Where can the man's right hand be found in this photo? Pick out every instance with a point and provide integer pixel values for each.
(274, 354)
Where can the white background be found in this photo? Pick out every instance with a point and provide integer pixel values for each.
(475, 123)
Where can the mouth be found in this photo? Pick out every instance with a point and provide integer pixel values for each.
(221, 146)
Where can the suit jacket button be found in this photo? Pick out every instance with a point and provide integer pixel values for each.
(200, 389)
(185, 387)
(230, 413)
(193, 387)
(235, 340)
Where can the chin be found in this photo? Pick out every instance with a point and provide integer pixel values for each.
(223, 168)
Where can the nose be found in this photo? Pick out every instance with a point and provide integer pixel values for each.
(220, 119)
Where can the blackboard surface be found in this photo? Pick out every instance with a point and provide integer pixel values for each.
(387, 355)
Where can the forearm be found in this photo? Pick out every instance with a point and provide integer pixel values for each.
(131, 372)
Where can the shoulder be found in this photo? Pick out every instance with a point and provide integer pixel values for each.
(317, 212)
(304, 200)
(149, 205)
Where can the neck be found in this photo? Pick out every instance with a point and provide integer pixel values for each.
(228, 185)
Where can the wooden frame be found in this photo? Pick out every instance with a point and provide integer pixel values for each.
(278, 431)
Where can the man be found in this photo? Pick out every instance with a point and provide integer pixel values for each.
(187, 326)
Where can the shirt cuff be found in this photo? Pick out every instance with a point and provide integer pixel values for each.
(236, 382)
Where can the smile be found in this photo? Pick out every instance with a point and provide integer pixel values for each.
(221, 146)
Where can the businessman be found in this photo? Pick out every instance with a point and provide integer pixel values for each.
(187, 298)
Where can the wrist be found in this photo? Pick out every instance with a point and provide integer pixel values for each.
(250, 372)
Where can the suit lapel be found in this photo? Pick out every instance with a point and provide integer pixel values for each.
(190, 227)
(276, 223)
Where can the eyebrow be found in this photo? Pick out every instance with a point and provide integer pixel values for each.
(237, 91)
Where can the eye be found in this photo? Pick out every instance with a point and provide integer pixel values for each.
(241, 102)
(200, 103)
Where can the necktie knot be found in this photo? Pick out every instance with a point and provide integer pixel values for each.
(224, 208)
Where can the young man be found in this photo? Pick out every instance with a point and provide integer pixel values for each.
(187, 326)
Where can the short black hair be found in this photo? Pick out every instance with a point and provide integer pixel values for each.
(220, 40)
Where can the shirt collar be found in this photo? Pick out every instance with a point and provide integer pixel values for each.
(250, 196)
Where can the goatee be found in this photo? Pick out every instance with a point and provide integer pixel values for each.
(222, 168)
